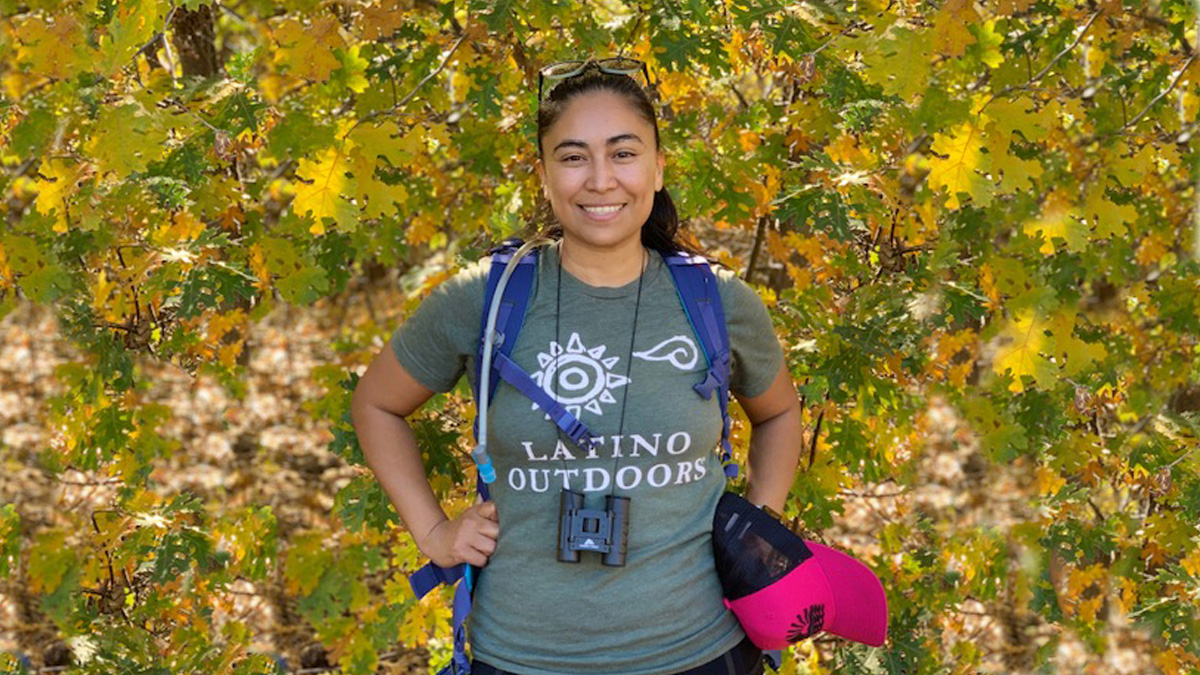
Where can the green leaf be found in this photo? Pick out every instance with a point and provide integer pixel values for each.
(10, 542)
(213, 286)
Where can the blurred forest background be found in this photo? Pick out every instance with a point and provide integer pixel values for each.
(972, 221)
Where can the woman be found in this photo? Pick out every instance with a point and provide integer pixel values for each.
(606, 335)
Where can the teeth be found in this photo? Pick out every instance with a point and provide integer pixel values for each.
(602, 209)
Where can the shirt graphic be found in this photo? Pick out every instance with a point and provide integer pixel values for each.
(578, 377)
(679, 351)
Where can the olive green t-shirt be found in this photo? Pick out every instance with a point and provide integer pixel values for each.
(662, 612)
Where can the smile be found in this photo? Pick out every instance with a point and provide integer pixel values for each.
(602, 212)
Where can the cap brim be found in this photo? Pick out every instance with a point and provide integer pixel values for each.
(861, 614)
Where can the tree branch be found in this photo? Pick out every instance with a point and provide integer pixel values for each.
(408, 97)
(1178, 77)
(1092, 19)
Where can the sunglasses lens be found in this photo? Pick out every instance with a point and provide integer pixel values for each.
(625, 66)
(562, 69)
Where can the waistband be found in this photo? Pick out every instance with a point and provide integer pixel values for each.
(743, 659)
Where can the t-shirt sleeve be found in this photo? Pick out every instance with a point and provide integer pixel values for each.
(436, 342)
(756, 353)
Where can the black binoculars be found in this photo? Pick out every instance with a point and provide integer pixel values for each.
(605, 532)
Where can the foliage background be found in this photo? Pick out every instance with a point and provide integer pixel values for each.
(971, 221)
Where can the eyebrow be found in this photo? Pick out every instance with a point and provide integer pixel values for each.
(572, 142)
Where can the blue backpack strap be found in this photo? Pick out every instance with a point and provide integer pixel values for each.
(460, 663)
(431, 576)
(512, 305)
(697, 288)
(523, 382)
(509, 321)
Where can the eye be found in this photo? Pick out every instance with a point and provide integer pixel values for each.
(622, 154)
(570, 158)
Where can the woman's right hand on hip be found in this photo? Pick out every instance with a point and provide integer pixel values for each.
(470, 537)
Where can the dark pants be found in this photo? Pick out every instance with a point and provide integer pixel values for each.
(744, 659)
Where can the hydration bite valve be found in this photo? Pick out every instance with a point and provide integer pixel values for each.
(487, 472)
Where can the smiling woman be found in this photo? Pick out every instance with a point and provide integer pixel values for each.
(600, 177)
(606, 339)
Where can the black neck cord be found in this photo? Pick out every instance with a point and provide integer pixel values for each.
(628, 362)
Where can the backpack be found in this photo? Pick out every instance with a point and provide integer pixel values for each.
(697, 288)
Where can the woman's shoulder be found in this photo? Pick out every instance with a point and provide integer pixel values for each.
(733, 289)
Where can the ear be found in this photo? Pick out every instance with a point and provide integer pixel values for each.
(661, 161)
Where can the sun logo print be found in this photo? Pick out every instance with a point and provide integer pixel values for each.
(578, 377)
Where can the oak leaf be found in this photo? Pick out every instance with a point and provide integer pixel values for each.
(951, 32)
(323, 184)
(1110, 220)
(381, 19)
(125, 139)
(133, 26)
(899, 62)
(376, 197)
(1024, 340)
(62, 177)
(1076, 353)
(1059, 219)
(960, 170)
(50, 47)
(307, 51)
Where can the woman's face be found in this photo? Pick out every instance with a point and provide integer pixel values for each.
(601, 170)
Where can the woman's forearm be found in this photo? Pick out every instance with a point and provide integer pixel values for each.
(774, 454)
(391, 451)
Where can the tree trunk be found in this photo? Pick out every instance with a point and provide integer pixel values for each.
(194, 38)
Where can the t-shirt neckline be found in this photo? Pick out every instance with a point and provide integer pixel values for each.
(573, 283)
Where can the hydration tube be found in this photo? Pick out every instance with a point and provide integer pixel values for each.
(487, 473)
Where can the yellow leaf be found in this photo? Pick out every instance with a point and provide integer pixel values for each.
(1191, 563)
(383, 140)
(1189, 105)
(1059, 219)
(182, 227)
(376, 197)
(1016, 174)
(135, 23)
(1016, 115)
(950, 33)
(126, 139)
(307, 51)
(322, 189)
(381, 19)
(1133, 170)
(52, 194)
(1109, 219)
(845, 150)
(1094, 59)
(101, 292)
(988, 43)
(50, 47)
(1049, 481)
(749, 140)
(899, 62)
(1024, 339)
(421, 230)
(1077, 353)
(1010, 7)
(959, 171)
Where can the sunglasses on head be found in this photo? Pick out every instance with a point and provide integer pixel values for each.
(615, 65)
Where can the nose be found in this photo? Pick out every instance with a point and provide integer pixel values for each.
(602, 177)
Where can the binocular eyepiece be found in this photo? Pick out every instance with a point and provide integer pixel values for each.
(605, 532)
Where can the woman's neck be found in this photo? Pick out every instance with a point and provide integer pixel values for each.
(611, 267)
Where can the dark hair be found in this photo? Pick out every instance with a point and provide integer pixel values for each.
(661, 229)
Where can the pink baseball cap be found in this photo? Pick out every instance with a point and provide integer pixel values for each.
(784, 589)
